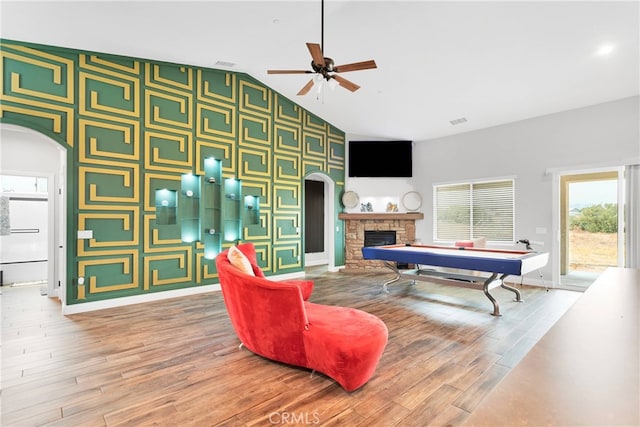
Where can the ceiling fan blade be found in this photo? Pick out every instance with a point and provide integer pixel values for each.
(316, 54)
(346, 83)
(364, 65)
(306, 88)
(289, 72)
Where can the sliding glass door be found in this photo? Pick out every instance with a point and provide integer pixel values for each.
(591, 226)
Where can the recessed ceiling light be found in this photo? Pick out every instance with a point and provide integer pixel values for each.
(605, 49)
(225, 64)
(458, 121)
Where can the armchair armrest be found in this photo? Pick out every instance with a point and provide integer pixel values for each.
(274, 303)
(306, 286)
(275, 318)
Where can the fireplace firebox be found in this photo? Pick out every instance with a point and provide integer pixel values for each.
(380, 238)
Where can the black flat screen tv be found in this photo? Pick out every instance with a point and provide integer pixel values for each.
(380, 159)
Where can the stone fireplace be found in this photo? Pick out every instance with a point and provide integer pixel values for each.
(403, 224)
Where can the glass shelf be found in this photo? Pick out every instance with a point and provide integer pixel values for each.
(211, 202)
(251, 211)
(190, 208)
(166, 207)
(232, 210)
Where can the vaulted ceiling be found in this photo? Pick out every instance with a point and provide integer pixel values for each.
(487, 62)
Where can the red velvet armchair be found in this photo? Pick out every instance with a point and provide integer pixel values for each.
(274, 319)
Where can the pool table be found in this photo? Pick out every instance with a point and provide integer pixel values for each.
(431, 259)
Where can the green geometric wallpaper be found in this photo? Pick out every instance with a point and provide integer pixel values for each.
(169, 164)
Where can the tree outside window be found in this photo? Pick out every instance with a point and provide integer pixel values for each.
(476, 209)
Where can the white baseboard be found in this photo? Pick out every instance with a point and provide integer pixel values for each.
(137, 299)
(296, 275)
(530, 281)
(156, 296)
(313, 263)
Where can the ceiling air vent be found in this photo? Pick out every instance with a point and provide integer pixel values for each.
(458, 121)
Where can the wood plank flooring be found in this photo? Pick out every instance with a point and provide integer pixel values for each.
(177, 362)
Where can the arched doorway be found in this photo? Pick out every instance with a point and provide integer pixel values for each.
(27, 153)
(325, 221)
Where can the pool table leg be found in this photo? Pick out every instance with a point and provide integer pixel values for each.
(514, 290)
(487, 283)
(500, 280)
(394, 268)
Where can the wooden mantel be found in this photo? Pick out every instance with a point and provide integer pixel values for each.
(381, 215)
(404, 224)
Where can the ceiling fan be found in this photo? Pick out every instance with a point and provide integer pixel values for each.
(325, 68)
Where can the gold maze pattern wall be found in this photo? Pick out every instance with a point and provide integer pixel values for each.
(132, 127)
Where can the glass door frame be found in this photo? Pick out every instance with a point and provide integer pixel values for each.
(560, 209)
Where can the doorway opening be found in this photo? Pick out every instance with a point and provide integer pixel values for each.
(319, 221)
(314, 209)
(591, 229)
(40, 215)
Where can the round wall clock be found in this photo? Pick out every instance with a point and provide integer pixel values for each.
(412, 201)
(350, 199)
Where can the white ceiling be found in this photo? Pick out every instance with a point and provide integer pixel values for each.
(490, 62)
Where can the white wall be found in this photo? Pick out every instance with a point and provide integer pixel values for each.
(377, 191)
(26, 152)
(600, 135)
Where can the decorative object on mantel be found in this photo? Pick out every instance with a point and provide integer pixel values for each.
(350, 199)
(412, 201)
(392, 207)
(366, 207)
(372, 216)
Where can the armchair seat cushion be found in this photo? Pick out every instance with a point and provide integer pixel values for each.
(344, 343)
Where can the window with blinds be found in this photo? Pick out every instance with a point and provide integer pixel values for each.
(478, 209)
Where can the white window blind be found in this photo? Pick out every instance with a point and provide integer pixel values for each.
(478, 209)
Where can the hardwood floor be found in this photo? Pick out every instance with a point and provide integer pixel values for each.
(177, 362)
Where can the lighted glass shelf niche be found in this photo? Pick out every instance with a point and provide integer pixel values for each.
(190, 208)
(166, 207)
(251, 210)
(211, 203)
(232, 209)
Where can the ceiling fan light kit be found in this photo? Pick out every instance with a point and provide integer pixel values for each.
(325, 68)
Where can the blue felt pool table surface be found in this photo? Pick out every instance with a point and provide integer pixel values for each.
(487, 260)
